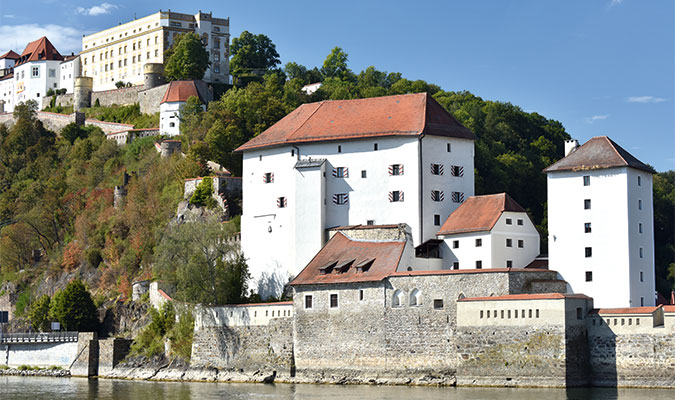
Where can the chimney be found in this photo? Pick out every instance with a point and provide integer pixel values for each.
(570, 146)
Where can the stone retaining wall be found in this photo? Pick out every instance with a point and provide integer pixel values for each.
(110, 353)
(149, 99)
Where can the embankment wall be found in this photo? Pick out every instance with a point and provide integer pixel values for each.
(38, 354)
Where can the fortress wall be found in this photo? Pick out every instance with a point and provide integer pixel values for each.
(124, 96)
(149, 99)
(64, 100)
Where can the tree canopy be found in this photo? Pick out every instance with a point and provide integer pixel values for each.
(186, 59)
(252, 55)
(74, 308)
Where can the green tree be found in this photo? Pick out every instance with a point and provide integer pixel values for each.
(252, 55)
(208, 268)
(202, 193)
(335, 65)
(74, 308)
(72, 131)
(186, 59)
(664, 231)
(39, 314)
(150, 341)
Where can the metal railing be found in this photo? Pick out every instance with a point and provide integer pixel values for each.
(41, 337)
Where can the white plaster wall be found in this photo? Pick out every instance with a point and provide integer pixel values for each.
(241, 315)
(551, 312)
(521, 257)
(613, 324)
(309, 215)
(69, 70)
(39, 354)
(467, 253)
(609, 239)
(35, 88)
(169, 113)
(7, 93)
(434, 151)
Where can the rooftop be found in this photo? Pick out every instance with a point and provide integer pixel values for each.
(181, 91)
(343, 260)
(598, 153)
(39, 50)
(10, 55)
(401, 115)
(479, 214)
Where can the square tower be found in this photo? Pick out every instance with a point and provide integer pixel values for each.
(601, 224)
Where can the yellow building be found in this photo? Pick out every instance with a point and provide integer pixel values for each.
(119, 53)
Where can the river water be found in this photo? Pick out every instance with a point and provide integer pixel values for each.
(37, 388)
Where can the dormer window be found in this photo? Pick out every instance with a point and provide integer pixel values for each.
(364, 265)
(328, 268)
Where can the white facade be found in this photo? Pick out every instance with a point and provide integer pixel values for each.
(33, 79)
(513, 242)
(612, 258)
(7, 93)
(119, 53)
(169, 118)
(69, 70)
(286, 210)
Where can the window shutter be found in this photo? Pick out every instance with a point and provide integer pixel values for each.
(400, 169)
(391, 170)
(334, 172)
(400, 196)
(458, 197)
(346, 172)
(391, 196)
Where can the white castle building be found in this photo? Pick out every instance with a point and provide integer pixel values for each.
(174, 99)
(372, 161)
(33, 73)
(600, 223)
(119, 53)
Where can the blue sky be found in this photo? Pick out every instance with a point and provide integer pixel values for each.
(601, 67)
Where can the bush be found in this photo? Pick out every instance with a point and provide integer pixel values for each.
(97, 103)
(150, 342)
(22, 303)
(39, 314)
(50, 92)
(181, 335)
(120, 84)
(202, 193)
(74, 308)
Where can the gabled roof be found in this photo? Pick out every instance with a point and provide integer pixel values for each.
(598, 153)
(479, 213)
(181, 91)
(361, 261)
(39, 50)
(401, 115)
(10, 55)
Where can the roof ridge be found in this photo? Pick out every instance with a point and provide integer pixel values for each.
(321, 103)
(613, 145)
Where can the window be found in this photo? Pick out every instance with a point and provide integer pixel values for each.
(216, 69)
(341, 172)
(589, 276)
(520, 222)
(587, 180)
(520, 243)
(396, 195)
(282, 202)
(35, 72)
(639, 180)
(363, 174)
(640, 227)
(156, 53)
(333, 300)
(339, 149)
(509, 221)
(479, 264)
(360, 294)
(374, 146)
(176, 24)
(642, 301)
(449, 148)
(437, 195)
(457, 197)
(415, 298)
(509, 264)
(587, 227)
(216, 29)
(455, 244)
(536, 313)
(509, 242)
(481, 313)
(308, 301)
(340, 198)
(642, 276)
(479, 242)
(172, 124)
(397, 300)
(588, 252)
(436, 169)
(52, 73)
(396, 169)
(438, 304)
(641, 253)
(455, 265)
(587, 204)
(268, 177)
(456, 170)
(580, 313)
(639, 204)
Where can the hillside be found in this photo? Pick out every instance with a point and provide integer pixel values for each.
(56, 192)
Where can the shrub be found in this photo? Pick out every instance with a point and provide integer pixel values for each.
(120, 84)
(181, 335)
(150, 342)
(39, 314)
(50, 92)
(74, 308)
(22, 303)
(97, 103)
(202, 193)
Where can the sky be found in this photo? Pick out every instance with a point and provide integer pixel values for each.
(600, 67)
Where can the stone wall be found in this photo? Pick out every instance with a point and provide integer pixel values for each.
(124, 96)
(110, 353)
(149, 99)
(55, 122)
(86, 361)
(248, 348)
(64, 100)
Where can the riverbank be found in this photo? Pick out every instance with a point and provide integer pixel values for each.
(56, 373)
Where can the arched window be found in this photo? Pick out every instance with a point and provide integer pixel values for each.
(398, 299)
(415, 298)
(461, 296)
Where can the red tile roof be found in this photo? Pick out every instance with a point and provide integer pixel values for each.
(537, 296)
(39, 50)
(401, 115)
(669, 308)
(181, 91)
(630, 310)
(598, 153)
(479, 213)
(340, 251)
(10, 55)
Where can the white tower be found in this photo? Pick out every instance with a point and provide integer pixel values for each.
(600, 224)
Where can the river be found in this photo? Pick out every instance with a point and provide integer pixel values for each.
(37, 388)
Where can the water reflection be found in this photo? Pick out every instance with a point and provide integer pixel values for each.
(35, 388)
